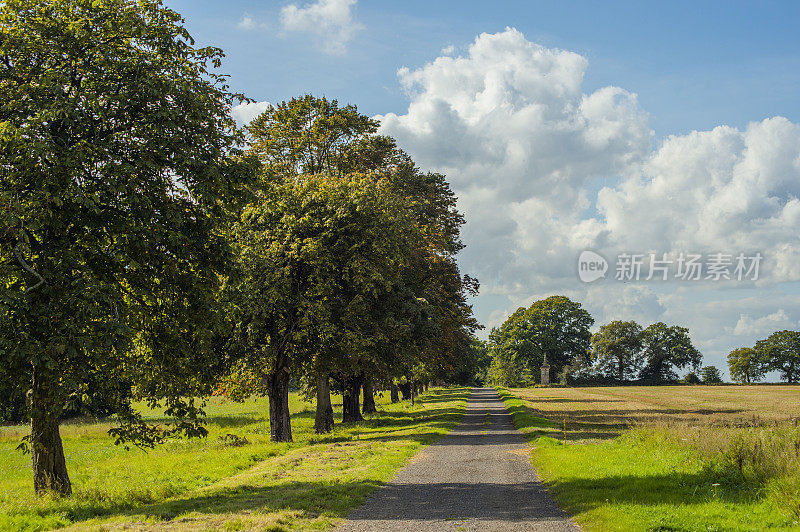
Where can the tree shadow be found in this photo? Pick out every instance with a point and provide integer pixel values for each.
(652, 490)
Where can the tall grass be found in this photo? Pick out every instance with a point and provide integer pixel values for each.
(761, 457)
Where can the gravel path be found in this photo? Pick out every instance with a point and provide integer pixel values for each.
(478, 477)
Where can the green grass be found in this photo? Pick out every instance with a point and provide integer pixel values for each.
(667, 477)
(212, 484)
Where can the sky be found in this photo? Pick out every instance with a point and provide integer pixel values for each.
(642, 132)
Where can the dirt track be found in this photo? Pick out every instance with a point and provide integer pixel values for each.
(478, 477)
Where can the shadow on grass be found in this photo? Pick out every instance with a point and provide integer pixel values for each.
(581, 494)
(314, 498)
(329, 497)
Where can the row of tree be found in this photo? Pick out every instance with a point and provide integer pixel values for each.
(152, 250)
(779, 352)
(558, 329)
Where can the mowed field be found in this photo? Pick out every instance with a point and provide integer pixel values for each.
(667, 458)
(603, 412)
(235, 479)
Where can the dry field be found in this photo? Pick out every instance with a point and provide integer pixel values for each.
(602, 412)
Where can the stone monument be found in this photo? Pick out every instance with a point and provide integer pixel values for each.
(545, 371)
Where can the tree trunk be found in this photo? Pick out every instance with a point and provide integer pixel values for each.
(405, 389)
(280, 425)
(350, 407)
(323, 422)
(47, 451)
(395, 394)
(369, 397)
(426, 386)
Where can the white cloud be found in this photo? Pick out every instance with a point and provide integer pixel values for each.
(448, 50)
(244, 113)
(765, 325)
(247, 22)
(544, 170)
(330, 21)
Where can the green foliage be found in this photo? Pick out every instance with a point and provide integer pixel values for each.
(384, 296)
(781, 352)
(745, 365)
(616, 349)
(556, 327)
(114, 141)
(710, 375)
(505, 370)
(665, 349)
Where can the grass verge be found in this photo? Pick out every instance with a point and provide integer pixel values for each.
(668, 475)
(235, 479)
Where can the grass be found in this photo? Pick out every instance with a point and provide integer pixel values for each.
(667, 458)
(235, 479)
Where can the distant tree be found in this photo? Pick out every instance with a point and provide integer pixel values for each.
(710, 375)
(691, 378)
(115, 132)
(781, 352)
(666, 349)
(504, 370)
(746, 366)
(556, 327)
(616, 349)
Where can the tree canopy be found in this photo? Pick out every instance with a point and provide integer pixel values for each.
(667, 348)
(781, 352)
(746, 366)
(115, 134)
(617, 349)
(555, 327)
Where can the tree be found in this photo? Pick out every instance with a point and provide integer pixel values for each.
(781, 352)
(666, 349)
(556, 327)
(710, 375)
(312, 254)
(745, 365)
(617, 348)
(425, 314)
(114, 137)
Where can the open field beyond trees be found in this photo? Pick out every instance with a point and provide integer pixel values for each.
(667, 458)
(235, 479)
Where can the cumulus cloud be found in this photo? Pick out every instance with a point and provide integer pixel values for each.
(245, 112)
(509, 124)
(764, 325)
(544, 170)
(331, 22)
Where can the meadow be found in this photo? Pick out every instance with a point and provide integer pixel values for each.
(235, 479)
(667, 458)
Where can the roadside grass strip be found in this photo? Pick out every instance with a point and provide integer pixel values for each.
(664, 476)
(235, 479)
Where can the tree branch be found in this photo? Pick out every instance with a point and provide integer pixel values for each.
(29, 270)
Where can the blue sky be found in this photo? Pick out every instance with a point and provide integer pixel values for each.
(694, 65)
(617, 127)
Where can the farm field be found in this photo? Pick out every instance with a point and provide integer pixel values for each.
(235, 479)
(667, 458)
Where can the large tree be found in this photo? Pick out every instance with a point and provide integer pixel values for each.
(313, 255)
(114, 132)
(617, 349)
(667, 348)
(555, 327)
(745, 365)
(425, 314)
(781, 352)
